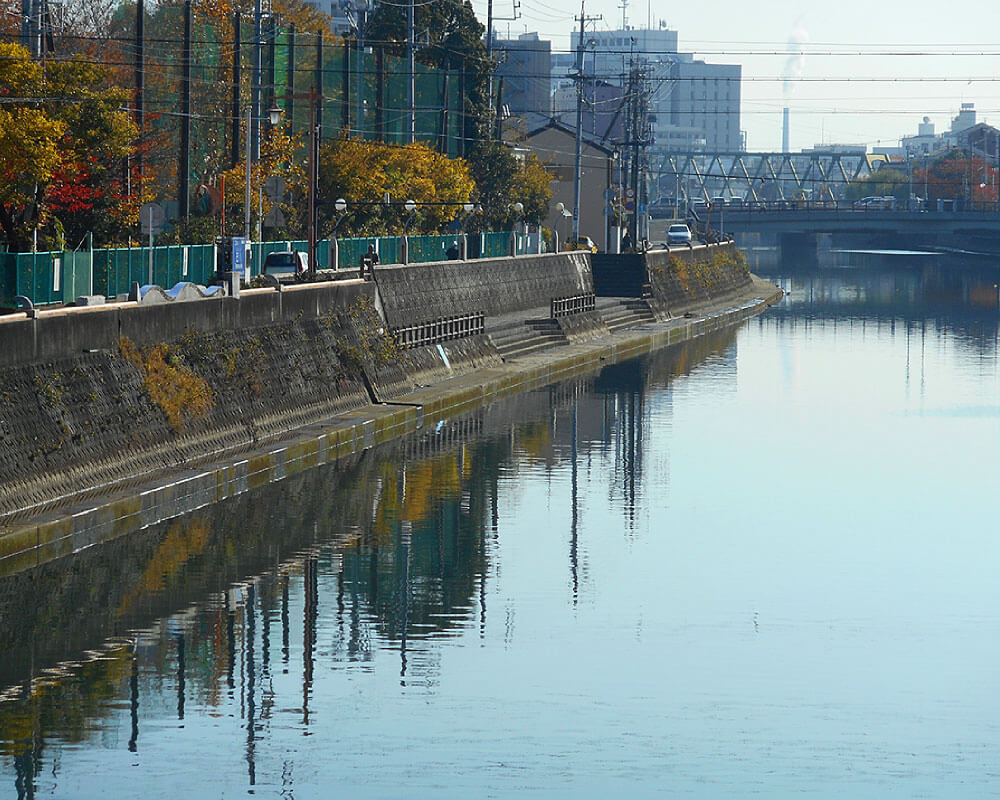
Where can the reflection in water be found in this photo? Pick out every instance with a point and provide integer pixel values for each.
(390, 549)
(717, 567)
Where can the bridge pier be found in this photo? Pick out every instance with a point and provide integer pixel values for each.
(801, 249)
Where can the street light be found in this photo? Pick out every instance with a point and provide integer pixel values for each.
(561, 213)
(274, 117)
(517, 208)
(340, 206)
(467, 210)
(410, 206)
(313, 171)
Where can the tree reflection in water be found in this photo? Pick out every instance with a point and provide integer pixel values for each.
(388, 549)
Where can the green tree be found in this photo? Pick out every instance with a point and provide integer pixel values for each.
(884, 182)
(454, 41)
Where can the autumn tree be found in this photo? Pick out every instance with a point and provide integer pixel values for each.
(503, 179)
(64, 145)
(957, 176)
(363, 172)
(278, 159)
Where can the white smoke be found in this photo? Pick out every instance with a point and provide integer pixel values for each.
(795, 63)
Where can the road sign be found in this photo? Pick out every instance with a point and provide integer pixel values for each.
(151, 217)
(239, 261)
(274, 218)
(630, 205)
(630, 194)
(275, 186)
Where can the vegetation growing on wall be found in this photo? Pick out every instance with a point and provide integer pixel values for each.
(180, 394)
(372, 343)
(697, 275)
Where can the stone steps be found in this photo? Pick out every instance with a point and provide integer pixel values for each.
(528, 336)
(619, 313)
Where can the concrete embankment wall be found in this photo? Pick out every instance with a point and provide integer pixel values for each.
(422, 292)
(117, 393)
(684, 278)
(92, 398)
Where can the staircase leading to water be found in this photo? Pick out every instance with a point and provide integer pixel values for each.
(527, 336)
(619, 313)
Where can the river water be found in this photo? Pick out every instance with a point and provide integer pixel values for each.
(762, 563)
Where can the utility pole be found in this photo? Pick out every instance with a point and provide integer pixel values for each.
(234, 148)
(411, 85)
(140, 69)
(584, 19)
(489, 49)
(638, 138)
(183, 176)
(254, 120)
(314, 130)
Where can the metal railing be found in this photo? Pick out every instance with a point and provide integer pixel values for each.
(576, 304)
(441, 330)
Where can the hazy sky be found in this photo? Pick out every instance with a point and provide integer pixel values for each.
(851, 72)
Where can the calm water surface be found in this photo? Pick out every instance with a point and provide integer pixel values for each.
(764, 563)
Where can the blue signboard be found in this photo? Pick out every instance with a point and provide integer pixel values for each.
(239, 259)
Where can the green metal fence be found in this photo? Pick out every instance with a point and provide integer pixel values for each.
(428, 248)
(351, 250)
(494, 245)
(61, 277)
(45, 278)
(115, 270)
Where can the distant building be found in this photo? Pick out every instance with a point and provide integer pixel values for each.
(966, 118)
(343, 13)
(555, 144)
(525, 67)
(693, 105)
(705, 97)
(978, 138)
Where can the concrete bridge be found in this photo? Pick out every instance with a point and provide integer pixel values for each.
(798, 226)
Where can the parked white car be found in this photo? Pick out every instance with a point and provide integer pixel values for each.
(678, 233)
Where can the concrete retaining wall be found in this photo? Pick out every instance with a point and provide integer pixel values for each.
(684, 278)
(93, 397)
(67, 332)
(423, 292)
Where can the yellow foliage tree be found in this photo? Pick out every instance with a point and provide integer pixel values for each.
(278, 157)
(64, 140)
(363, 172)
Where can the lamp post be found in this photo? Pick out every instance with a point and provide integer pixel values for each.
(410, 207)
(274, 117)
(561, 213)
(467, 210)
(340, 206)
(313, 171)
(517, 208)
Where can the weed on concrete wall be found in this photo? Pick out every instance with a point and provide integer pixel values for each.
(176, 390)
(371, 343)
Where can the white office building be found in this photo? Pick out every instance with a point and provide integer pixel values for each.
(693, 105)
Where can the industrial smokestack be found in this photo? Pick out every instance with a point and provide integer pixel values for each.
(784, 130)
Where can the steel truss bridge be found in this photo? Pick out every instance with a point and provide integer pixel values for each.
(757, 177)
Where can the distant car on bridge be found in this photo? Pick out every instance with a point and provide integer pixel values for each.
(886, 203)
